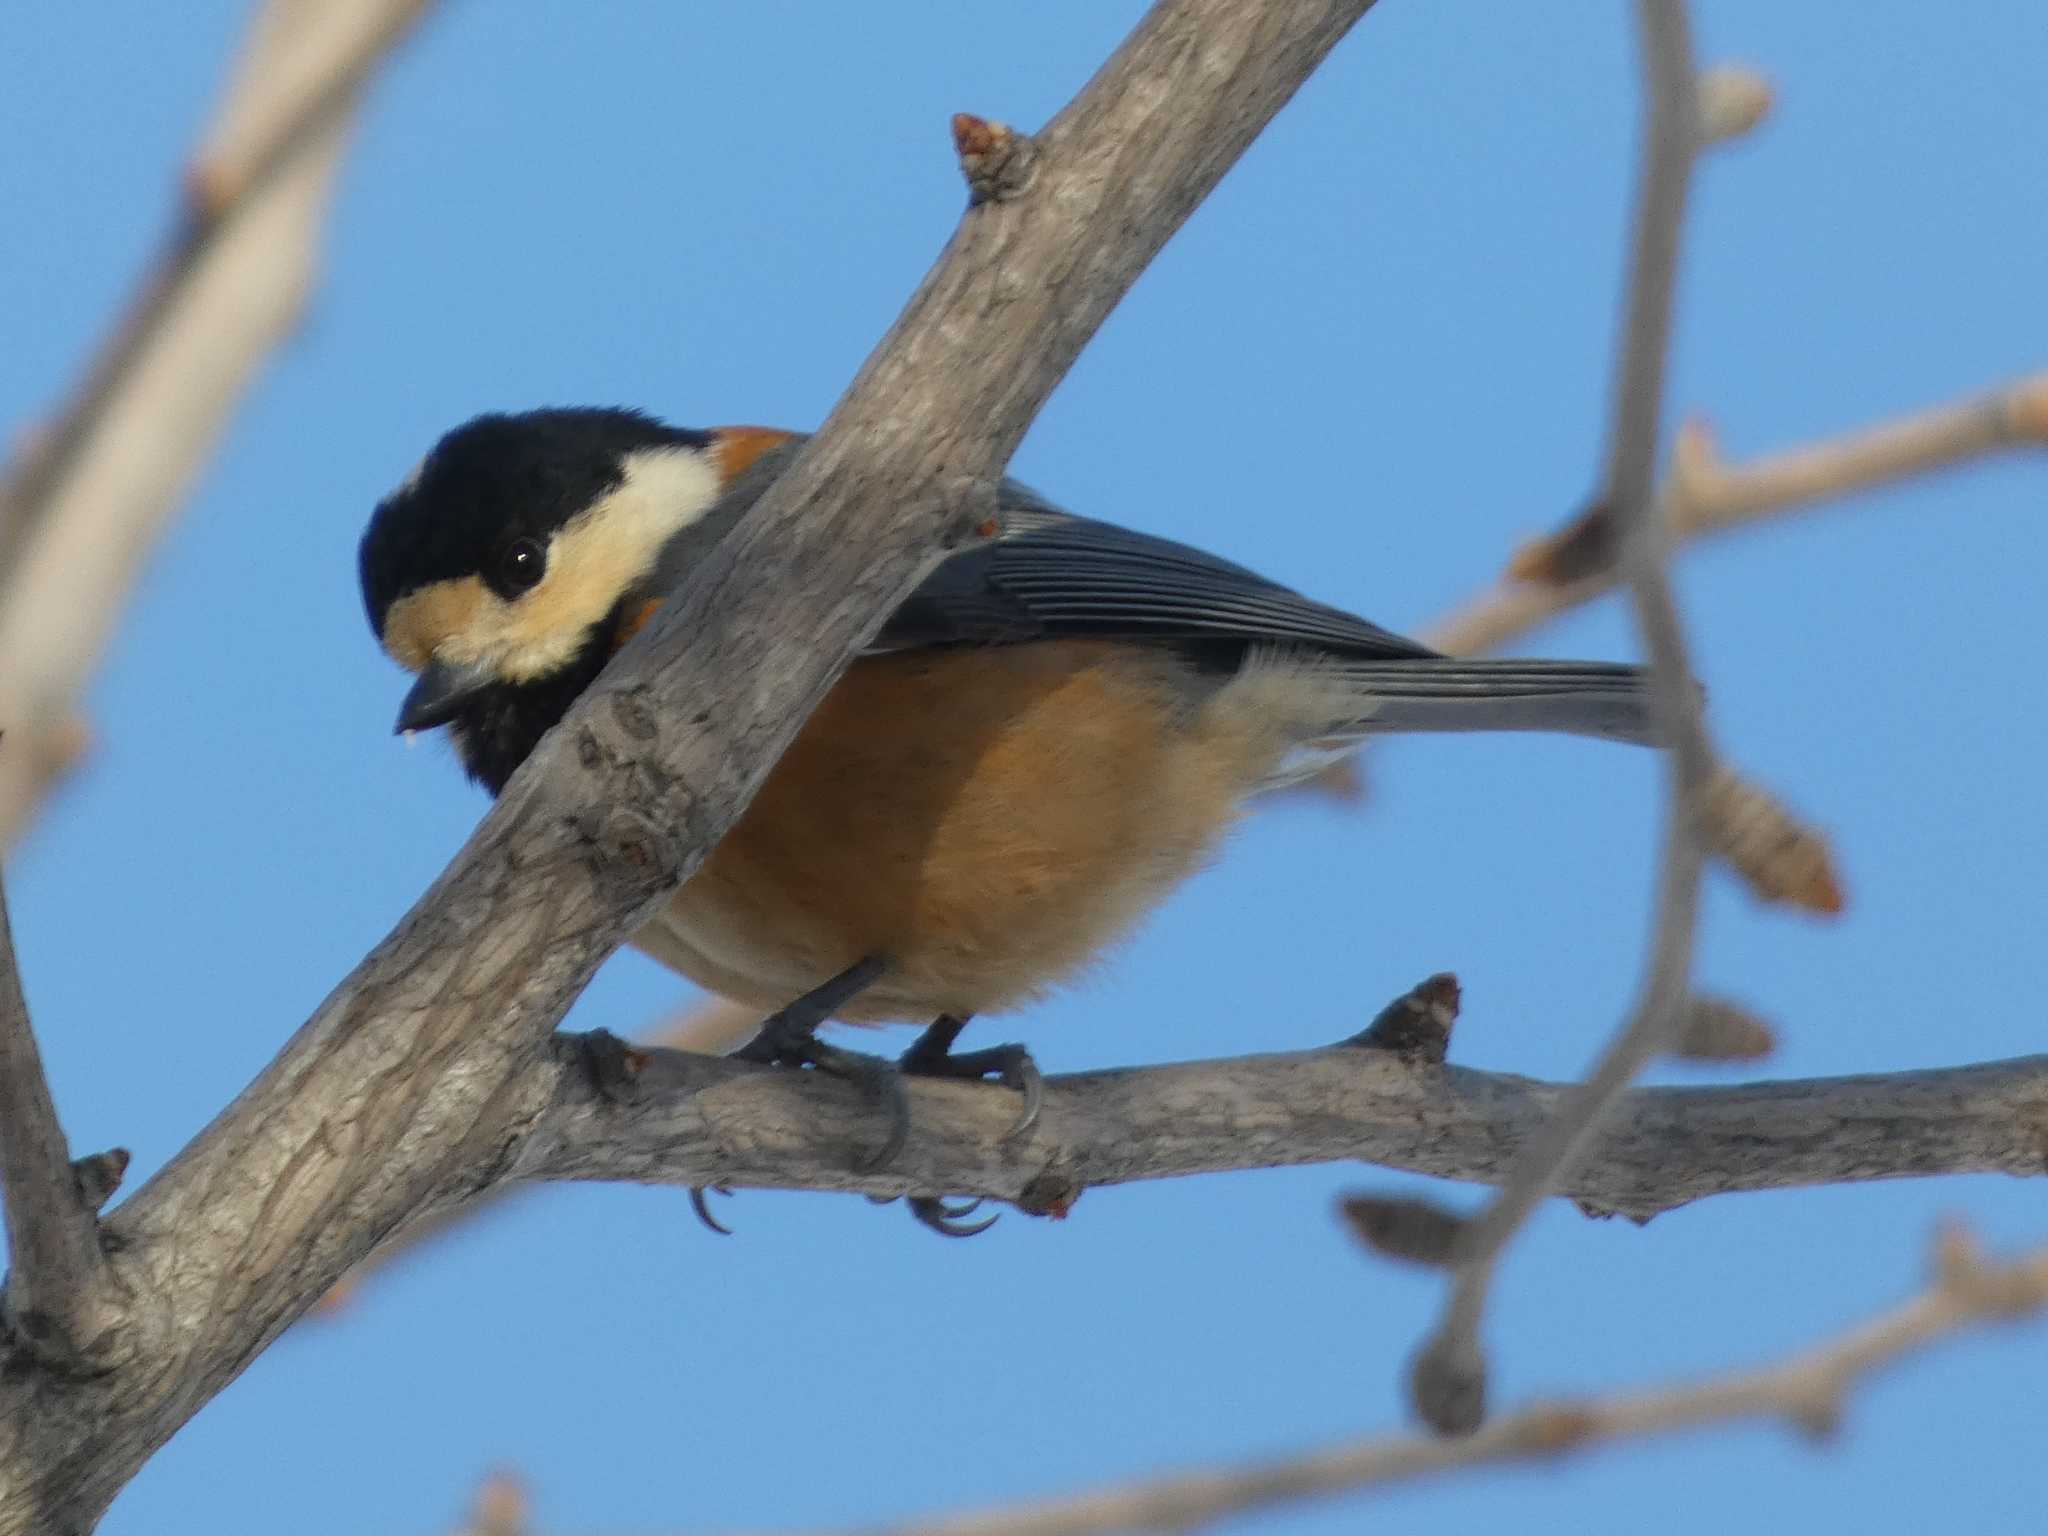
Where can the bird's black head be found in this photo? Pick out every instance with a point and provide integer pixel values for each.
(503, 570)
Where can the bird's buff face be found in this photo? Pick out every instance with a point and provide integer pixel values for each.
(530, 604)
(491, 588)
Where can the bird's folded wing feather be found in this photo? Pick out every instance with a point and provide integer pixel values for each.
(1050, 575)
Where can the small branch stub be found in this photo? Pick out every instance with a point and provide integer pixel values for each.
(1582, 548)
(1418, 1023)
(995, 158)
(100, 1175)
(1052, 1193)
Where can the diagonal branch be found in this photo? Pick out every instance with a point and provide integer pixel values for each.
(55, 1301)
(712, 1026)
(87, 497)
(417, 1081)
(1804, 1392)
(1448, 1375)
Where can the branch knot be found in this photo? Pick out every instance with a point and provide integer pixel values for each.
(996, 159)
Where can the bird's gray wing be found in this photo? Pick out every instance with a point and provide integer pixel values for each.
(1048, 574)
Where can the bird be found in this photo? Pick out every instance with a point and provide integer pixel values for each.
(1055, 729)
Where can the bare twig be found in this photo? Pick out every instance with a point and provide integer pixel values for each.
(1805, 1392)
(1705, 495)
(54, 1302)
(83, 504)
(995, 158)
(1447, 1379)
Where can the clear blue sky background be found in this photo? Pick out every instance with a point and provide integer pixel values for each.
(1369, 365)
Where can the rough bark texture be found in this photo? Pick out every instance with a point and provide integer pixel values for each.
(704, 1120)
(415, 1084)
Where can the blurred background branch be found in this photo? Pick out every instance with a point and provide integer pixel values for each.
(1447, 1379)
(1704, 495)
(1806, 1392)
(90, 491)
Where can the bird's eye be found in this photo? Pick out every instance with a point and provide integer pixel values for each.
(522, 565)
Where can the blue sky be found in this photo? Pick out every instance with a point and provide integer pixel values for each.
(1370, 364)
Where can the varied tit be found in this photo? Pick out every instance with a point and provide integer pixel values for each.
(1050, 734)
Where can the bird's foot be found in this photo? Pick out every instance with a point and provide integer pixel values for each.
(789, 1038)
(932, 1055)
(1011, 1065)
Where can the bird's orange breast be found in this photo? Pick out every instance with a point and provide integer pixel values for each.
(989, 819)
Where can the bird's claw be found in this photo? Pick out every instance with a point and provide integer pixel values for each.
(949, 1218)
(703, 1207)
(946, 1217)
(1010, 1065)
(784, 1041)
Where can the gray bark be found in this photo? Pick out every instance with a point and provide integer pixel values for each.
(703, 1120)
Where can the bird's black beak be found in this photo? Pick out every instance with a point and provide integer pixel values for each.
(439, 694)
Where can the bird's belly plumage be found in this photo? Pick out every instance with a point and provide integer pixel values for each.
(987, 819)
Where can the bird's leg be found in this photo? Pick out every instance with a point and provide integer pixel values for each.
(789, 1038)
(1011, 1065)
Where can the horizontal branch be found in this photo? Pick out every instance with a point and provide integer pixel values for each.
(699, 1120)
(1805, 1392)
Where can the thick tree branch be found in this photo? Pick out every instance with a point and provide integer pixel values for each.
(705, 1120)
(1805, 1392)
(414, 1085)
(711, 1027)
(1448, 1376)
(56, 1304)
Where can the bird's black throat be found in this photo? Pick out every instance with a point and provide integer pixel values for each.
(495, 732)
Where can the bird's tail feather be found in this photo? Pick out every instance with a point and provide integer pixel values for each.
(1579, 698)
(1327, 705)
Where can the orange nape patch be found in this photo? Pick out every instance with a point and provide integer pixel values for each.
(635, 621)
(736, 448)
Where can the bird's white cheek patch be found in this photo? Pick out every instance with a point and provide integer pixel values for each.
(593, 560)
(599, 554)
